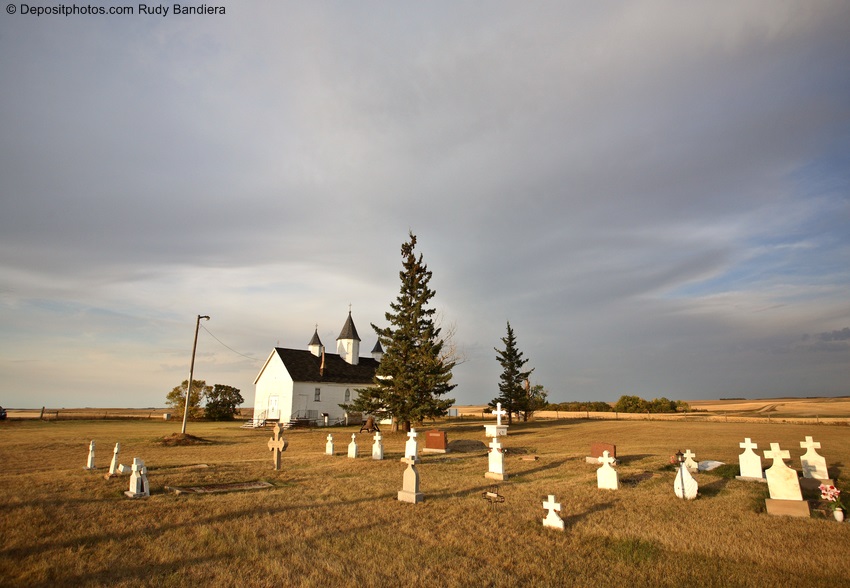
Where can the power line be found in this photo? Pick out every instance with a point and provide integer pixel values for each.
(228, 347)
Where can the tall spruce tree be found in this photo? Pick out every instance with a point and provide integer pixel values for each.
(413, 374)
(513, 395)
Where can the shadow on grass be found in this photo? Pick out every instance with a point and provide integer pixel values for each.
(714, 488)
(578, 517)
(628, 459)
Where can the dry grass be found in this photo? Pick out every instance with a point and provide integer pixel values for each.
(333, 521)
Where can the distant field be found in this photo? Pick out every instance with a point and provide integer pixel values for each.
(335, 521)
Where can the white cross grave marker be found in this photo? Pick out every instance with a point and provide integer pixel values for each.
(113, 465)
(278, 445)
(352, 447)
(606, 476)
(782, 481)
(552, 519)
(749, 461)
(138, 480)
(499, 413)
(689, 461)
(90, 461)
(814, 465)
(378, 446)
(329, 446)
(411, 448)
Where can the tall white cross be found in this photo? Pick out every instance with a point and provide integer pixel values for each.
(353, 437)
(378, 437)
(330, 438)
(747, 444)
(412, 434)
(499, 413)
(776, 453)
(810, 444)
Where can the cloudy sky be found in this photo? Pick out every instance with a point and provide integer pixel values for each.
(656, 195)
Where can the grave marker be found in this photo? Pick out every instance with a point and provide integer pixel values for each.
(785, 495)
(329, 446)
(685, 486)
(278, 445)
(410, 486)
(436, 442)
(749, 462)
(814, 465)
(497, 430)
(692, 465)
(552, 519)
(352, 447)
(138, 480)
(113, 465)
(496, 461)
(90, 460)
(378, 446)
(606, 476)
(411, 448)
(597, 449)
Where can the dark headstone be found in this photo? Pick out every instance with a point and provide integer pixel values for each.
(436, 442)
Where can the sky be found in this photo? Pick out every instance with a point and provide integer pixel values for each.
(656, 195)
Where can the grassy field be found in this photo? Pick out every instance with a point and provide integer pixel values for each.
(334, 521)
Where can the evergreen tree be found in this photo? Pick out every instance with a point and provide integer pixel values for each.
(512, 393)
(414, 373)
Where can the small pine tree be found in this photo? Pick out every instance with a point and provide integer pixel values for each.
(512, 394)
(414, 373)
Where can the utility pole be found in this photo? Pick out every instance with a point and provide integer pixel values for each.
(191, 373)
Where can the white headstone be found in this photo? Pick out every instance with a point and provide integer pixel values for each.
(814, 465)
(329, 446)
(495, 461)
(552, 519)
(690, 463)
(782, 481)
(411, 448)
(352, 447)
(90, 460)
(606, 476)
(410, 486)
(685, 486)
(378, 446)
(113, 465)
(499, 413)
(497, 430)
(749, 461)
(138, 480)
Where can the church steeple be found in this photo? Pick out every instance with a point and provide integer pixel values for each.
(315, 345)
(348, 342)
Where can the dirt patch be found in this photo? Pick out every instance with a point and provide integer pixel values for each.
(466, 446)
(180, 439)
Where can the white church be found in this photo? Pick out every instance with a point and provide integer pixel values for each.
(310, 383)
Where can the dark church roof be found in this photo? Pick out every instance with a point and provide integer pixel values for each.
(377, 348)
(303, 366)
(315, 340)
(348, 330)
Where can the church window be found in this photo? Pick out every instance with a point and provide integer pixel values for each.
(317, 397)
(347, 395)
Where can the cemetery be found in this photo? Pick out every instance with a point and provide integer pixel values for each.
(225, 511)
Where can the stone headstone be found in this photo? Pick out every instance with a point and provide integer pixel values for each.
(378, 446)
(113, 465)
(411, 447)
(597, 449)
(496, 461)
(497, 430)
(784, 486)
(436, 442)
(90, 460)
(814, 465)
(278, 445)
(138, 480)
(749, 461)
(782, 481)
(552, 520)
(410, 485)
(329, 446)
(690, 463)
(606, 476)
(685, 486)
(352, 447)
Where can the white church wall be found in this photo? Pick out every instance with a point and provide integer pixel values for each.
(274, 380)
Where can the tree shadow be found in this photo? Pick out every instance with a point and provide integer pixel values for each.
(628, 459)
(578, 517)
(714, 488)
